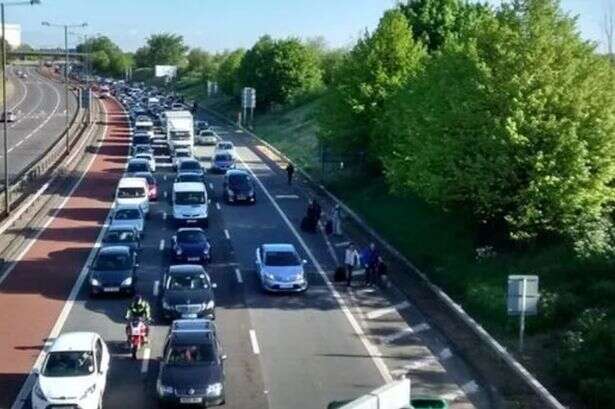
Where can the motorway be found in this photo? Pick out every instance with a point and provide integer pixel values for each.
(295, 351)
(40, 107)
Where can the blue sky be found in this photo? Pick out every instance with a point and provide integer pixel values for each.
(225, 24)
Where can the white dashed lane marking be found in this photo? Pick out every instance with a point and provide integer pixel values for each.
(372, 315)
(255, 348)
(238, 275)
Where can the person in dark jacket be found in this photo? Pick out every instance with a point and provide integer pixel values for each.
(371, 264)
(290, 171)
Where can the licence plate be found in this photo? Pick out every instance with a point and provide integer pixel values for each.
(286, 286)
(241, 197)
(191, 221)
(190, 400)
(193, 259)
(111, 289)
(189, 315)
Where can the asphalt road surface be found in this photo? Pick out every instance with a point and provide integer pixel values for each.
(284, 351)
(40, 107)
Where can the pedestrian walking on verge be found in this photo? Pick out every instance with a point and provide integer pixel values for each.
(290, 170)
(351, 261)
(371, 265)
(336, 220)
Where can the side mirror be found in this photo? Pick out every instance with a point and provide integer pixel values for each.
(36, 371)
(223, 357)
(214, 285)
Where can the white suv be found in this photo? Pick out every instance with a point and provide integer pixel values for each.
(133, 191)
(74, 373)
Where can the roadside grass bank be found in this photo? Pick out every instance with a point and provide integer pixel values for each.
(577, 296)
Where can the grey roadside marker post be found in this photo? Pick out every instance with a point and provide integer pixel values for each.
(522, 300)
(7, 182)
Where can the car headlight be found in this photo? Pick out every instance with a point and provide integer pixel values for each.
(178, 251)
(163, 389)
(230, 192)
(215, 389)
(94, 282)
(299, 277)
(39, 392)
(206, 250)
(166, 305)
(127, 282)
(269, 276)
(209, 305)
(88, 391)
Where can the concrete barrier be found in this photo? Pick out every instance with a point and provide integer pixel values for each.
(395, 395)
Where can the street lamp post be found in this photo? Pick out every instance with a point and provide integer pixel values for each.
(66, 86)
(7, 186)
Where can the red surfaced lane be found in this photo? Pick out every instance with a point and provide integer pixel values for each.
(34, 293)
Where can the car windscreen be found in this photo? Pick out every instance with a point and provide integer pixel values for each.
(191, 354)
(225, 146)
(183, 282)
(140, 140)
(180, 135)
(182, 154)
(127, 214)
(130, 192)
(147, 176)
(191, 236)
(119, 236)
(223, 157)
(189, 198)
(112, 261)
(190, 165)
(146, 128)
(137, 167)
(68, 363)
(240, 182)
(143, 156)
(281, 258)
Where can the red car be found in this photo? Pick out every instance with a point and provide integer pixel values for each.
(151, 184)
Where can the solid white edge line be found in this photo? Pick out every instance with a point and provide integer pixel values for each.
(164, 215)
(27, 385)
(254, 341)
(372, 350)
(387, 310)
(155, 288)
(238, 275)
(145, 360)
(227, 234)
(218, 206)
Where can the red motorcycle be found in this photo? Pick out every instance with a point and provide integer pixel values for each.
(137, 335)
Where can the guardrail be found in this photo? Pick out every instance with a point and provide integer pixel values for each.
(27, 180)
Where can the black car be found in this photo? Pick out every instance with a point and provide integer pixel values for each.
(239, 187)
(122, 236)
(192, 365)
(113, 271)
(189, 177)
(190, 165)
(187, 292)
(190, 245)
(140, 139)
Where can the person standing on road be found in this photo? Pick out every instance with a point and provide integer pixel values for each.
(351, 260)
(371, 265)
(336, 220)
(290, 170)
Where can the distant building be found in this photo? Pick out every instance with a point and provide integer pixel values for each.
(13, 34)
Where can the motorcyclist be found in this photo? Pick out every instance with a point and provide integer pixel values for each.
(138, 309)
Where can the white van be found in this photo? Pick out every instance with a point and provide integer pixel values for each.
(190, 204)
(132, 190)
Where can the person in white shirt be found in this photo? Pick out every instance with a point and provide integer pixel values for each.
(351, 260)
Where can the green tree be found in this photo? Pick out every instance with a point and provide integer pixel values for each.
(106, 56)
(374, 70)
(162, 49)
(279, 70)
(228, 73)
(515, 120)
(435, 21)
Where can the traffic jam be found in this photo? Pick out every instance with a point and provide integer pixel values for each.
(191, 369)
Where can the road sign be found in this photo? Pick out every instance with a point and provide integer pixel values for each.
(522, 299)
(165, 71)
(248, 98)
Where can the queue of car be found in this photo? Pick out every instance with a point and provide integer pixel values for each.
(191, 366)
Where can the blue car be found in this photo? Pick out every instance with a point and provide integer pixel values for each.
(222, 162)
(190, 245)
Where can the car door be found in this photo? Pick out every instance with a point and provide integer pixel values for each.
(102, 363)
(259, 262)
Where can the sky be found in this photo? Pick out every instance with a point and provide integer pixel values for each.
(216, 25)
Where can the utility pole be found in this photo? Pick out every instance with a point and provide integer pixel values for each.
(66, 82)
(7, 181)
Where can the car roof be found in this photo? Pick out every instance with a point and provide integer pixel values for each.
(132, 181)
(278, 247)
(187, 269)
(237, 172)
(114, 249)
(192, 325)
(114, 227)
(189, 187)
(74, 341)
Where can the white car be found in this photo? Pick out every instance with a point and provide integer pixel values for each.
(10, 116)
(149, 157)
(133, 191)
(179, 154)
(207, 137)
(129, 216)
(74, 373)
(225, 147)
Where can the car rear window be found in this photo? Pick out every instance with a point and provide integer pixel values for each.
(137, 167)
(119, 236)
(190, 165)
(130, 192)
(223, 157)
(191, 236)
(127, 214)
(112, 261)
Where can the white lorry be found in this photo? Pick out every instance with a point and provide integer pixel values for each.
(180, 129)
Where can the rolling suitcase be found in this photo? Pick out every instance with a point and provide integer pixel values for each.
(340, 274)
